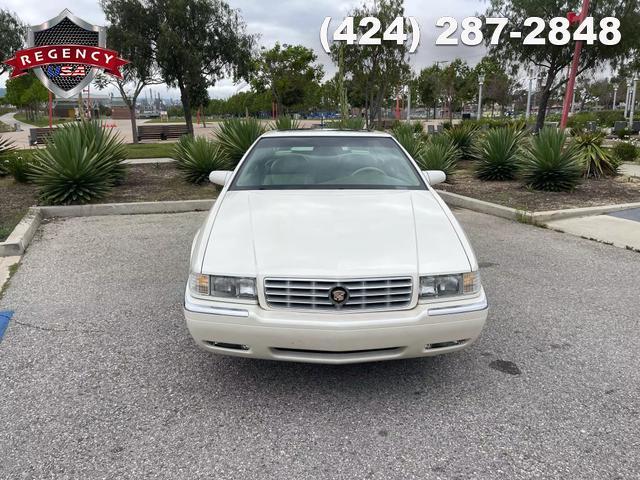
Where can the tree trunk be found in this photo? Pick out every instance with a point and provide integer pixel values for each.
(545, 94)
(134, 127)
(186, 106)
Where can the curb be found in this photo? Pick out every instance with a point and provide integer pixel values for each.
(537, 218)
(19, 239)
(455, 200)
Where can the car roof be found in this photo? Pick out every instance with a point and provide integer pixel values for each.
(324, 133)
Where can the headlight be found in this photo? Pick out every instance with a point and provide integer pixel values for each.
(437, 286)
(226, 287)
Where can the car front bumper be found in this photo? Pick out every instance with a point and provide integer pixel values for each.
(250, 331)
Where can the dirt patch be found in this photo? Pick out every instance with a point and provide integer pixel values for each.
(589, 193)
(144, 183)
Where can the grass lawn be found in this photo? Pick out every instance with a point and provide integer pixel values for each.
(589, 193)
(41, 121)
(151, 150)
(5, 128)
(140, 150)
(144, 183)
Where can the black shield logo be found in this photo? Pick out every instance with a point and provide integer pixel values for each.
(66, 80)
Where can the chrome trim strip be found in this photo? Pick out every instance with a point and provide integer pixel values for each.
(211, 310)
(468, 308)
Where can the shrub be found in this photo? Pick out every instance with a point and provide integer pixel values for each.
(463, 137)
(352, 123)
(625, 151)
(286, 123)
(19, 167)
(6, 151)
(81, 163)
(551, 163)
(497, 154)
(596, 161)
(438, 153)
(235, 136)
(409, 139)
(197, 157)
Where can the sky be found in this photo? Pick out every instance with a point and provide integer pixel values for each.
(291, 22)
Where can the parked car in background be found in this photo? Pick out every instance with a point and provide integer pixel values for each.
(332, 247)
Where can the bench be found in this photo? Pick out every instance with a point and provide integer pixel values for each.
(38, 136)
(161, 132)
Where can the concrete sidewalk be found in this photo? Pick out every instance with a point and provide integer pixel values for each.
(630, 169)
(621, 229)
(144, 161)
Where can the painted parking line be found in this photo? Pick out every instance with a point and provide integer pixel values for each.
(633, 214)
(5, 318)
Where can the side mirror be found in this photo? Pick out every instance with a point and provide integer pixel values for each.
(434, 176)
(220, 177)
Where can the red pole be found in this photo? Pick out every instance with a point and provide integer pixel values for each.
(568, 97)
(50, 110)
(397, 107)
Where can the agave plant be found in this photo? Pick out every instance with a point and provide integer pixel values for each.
(438, 153)
(497, 154)
(81, 163)
(550, 162)
(286, 123)
(6, 150)
(235, 136)
(409, 139)
(463, 137)
(197, 157)
(597, 162)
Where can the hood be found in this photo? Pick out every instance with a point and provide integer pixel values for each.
(329, 233)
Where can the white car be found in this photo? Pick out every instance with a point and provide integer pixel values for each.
(332, 247)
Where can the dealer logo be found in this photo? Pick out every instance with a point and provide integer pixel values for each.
(66, 53)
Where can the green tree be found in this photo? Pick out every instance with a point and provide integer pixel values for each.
(429, 87)
(497, 84)
(290, 73)
(552, 59)
(26, 93)
(378, 71)
(198, 43)
(131, 32)
(459, 85)
(12, 35)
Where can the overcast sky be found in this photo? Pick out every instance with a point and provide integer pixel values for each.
(289, 21)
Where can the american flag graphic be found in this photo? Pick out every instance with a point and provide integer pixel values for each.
(73, 71)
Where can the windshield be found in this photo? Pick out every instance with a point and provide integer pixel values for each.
(327, 163)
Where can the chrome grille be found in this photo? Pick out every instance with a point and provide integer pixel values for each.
(363, 294)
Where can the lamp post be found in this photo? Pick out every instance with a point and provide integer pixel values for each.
(633, 102)
(615, 96)
(626, 103)
(529, 93)
(480, 84)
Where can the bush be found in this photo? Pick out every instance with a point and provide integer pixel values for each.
(19, 167)
(235, 136)
(286, 123)
(550, 163)
(352, 123)
(81, 163)
(497, 154)
(197, 157)
(438, 153)
(596, 161)
(625, 152)
(463, 136)
(409, 139)
(6, 151)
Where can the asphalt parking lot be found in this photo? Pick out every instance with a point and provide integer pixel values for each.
(100, 379)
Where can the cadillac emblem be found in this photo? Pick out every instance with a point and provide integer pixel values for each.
(339, 295)
(66, 53)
